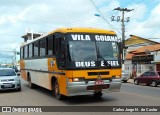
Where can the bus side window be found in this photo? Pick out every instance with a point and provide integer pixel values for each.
(59, 50)
(42, 47)
(36, 49)
(57, 41)
(30, 50)
(26, 51)
(50, 45)
(22, 52)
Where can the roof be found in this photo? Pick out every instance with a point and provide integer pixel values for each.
(136, 40)
(143, 49)
(129, 56)
(78, 30)
(83, 29)
(32, 33)
(144, 38)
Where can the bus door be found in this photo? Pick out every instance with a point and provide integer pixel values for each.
(60, 59)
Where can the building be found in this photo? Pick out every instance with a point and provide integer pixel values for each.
(135, 42)
(132, 44)
(31, 36)
(144, 59)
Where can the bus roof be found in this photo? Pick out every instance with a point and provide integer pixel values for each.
(75, 30)
(83, 30)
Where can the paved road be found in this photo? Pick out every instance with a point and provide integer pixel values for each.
(142, 89)
(130, 95)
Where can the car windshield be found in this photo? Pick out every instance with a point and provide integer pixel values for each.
(7, 72)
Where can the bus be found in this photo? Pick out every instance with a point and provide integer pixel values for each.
(73, 61)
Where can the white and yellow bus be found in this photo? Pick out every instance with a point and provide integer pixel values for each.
(73, 61)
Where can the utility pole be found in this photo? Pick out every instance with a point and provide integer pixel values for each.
(123, 26)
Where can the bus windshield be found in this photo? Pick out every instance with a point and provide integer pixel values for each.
(86, 51)
(107, 50)
(82, 51)
(92, 50)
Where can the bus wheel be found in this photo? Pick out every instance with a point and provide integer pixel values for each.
(31, 85)
(98, 94)
(57, 91)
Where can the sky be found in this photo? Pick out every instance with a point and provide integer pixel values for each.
(20, 16)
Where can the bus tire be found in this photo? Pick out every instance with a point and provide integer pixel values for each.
(57, 91)
(31, 85)
(98, 94)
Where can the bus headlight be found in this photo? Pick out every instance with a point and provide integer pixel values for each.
(76, 79)
(116, 77)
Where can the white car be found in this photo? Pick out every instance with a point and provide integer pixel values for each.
(125, 76)
(9, 79)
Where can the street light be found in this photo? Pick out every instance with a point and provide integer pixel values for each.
(98, 15)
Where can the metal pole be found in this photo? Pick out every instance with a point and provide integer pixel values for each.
(123, 29)
(123, 37)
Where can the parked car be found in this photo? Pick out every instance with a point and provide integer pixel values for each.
(9, 79)
(125, 76)
(149, 77)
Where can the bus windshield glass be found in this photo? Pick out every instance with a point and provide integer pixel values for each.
(82, 51)
(92, 50)
(86, 51)
(107, 50)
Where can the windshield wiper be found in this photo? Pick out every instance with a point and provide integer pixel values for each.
(101, 57)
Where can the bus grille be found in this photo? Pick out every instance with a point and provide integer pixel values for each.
(98, 73)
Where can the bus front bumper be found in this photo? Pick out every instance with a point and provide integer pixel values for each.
(83, 88)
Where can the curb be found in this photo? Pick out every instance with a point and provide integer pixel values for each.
(130, 81)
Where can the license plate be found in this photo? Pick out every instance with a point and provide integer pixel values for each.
(98, 87)
(8, 85)
(99, 82)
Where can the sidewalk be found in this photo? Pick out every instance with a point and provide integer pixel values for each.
(130, 81)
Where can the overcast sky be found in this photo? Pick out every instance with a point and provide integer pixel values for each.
(19, 16)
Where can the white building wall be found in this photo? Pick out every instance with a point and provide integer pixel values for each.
(157, 56)
(141, 68)
(128, 66)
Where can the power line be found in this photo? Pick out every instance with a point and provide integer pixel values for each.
(104, 17)
(45, 17)
(140, 6)
(130, 1)
(49, 18)
(8, 35)
(144, 24)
